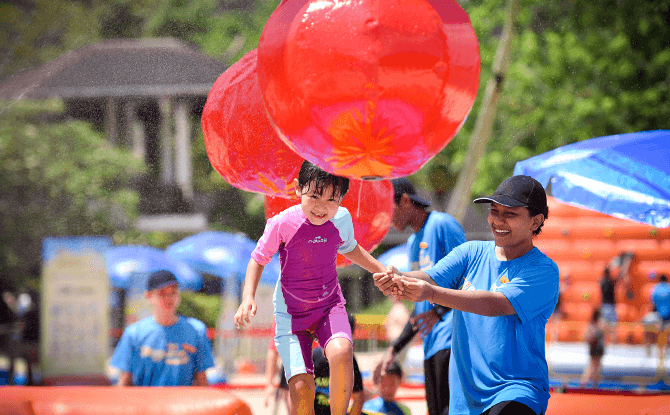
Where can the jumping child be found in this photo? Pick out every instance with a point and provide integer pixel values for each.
(308, 302)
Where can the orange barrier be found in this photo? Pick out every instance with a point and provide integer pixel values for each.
(583, 292)
(644, 269)
(594, 227)
(100, 400)
(598, 404)
(580, 270)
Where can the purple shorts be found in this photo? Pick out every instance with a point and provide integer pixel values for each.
(294, 336)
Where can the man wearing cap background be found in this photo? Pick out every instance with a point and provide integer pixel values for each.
(435, 235)
(502, 293)
(165, 349)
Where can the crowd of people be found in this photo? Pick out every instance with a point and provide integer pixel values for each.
(480, 308)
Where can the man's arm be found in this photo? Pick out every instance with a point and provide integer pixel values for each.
(200, 379)
(125, 379)
(485, 303)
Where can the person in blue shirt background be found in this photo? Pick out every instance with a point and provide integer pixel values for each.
(165, 349)
(388, 384)
(435, 235)
(502, 293)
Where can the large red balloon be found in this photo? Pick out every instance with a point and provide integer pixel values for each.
(368, 88)
(371, 208)
(241, 144)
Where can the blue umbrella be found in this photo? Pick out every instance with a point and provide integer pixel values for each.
(125, 261)
(626, 175)
(396, 256)
(220, 254)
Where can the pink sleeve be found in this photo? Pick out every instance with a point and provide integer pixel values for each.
(269, 243)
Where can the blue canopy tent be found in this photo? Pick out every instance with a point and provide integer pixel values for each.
(625, 175)
(125, 261)
(398, 256)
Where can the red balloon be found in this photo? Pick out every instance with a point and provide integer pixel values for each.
(371, 208)
(241, 144)
(368, 88)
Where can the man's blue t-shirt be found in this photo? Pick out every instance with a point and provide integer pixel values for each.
(499, 358)
(439, 234)
(164, 356)
(378, 406)
(661, 299)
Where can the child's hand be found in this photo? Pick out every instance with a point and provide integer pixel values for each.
(385, 280)
(245, 311)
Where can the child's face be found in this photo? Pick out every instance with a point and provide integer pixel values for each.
(319, 209)
(165, 300)
(388, 386)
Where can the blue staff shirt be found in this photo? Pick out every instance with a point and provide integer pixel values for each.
(157, 355)
(439, 234)
(499, 358)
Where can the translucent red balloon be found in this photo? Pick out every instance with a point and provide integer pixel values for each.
(368, 88)
(241, 144)
(371, 208)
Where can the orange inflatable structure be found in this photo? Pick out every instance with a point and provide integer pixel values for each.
(599, 404)
(101, 400)
(582, 243)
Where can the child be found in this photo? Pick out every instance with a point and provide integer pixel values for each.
(594, 336)
(388, 384)
(308, 301)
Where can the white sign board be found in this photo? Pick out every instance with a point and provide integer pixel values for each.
(75, 306)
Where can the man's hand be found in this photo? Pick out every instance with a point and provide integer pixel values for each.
(380, 368)
(425, 322)
(245, 311)
(388, 282)
(415, 290)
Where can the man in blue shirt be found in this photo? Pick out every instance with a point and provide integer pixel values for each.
(502, 293)
(435, 235)
(166, 349)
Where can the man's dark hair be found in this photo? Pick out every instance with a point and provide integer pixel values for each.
(311, 172)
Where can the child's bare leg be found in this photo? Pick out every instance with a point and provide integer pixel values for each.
(340, 355)
(301, 394)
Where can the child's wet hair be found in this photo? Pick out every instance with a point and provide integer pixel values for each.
(311, 172)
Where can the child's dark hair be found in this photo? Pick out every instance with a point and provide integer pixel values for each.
(394, 369)
(310, 171)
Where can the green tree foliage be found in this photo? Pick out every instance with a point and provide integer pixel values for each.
(579, 70)
(57, 178)
(36, 31)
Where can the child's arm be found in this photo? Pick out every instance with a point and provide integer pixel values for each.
(361, 257)
(248, 307)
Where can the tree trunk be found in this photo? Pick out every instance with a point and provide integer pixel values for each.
(482, 132)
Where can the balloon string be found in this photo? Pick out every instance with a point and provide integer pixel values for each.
(360, 190)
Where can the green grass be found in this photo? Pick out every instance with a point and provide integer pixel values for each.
(201, 306)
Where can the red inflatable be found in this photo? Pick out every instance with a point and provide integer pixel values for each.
(241, 144)
(371, 208)
(368, 88)
(106, 400)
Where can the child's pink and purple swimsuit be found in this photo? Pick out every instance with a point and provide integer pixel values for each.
(308, 301)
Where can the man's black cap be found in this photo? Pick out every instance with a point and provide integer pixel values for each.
(160, 279)
(402, 185)
(519, 191)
